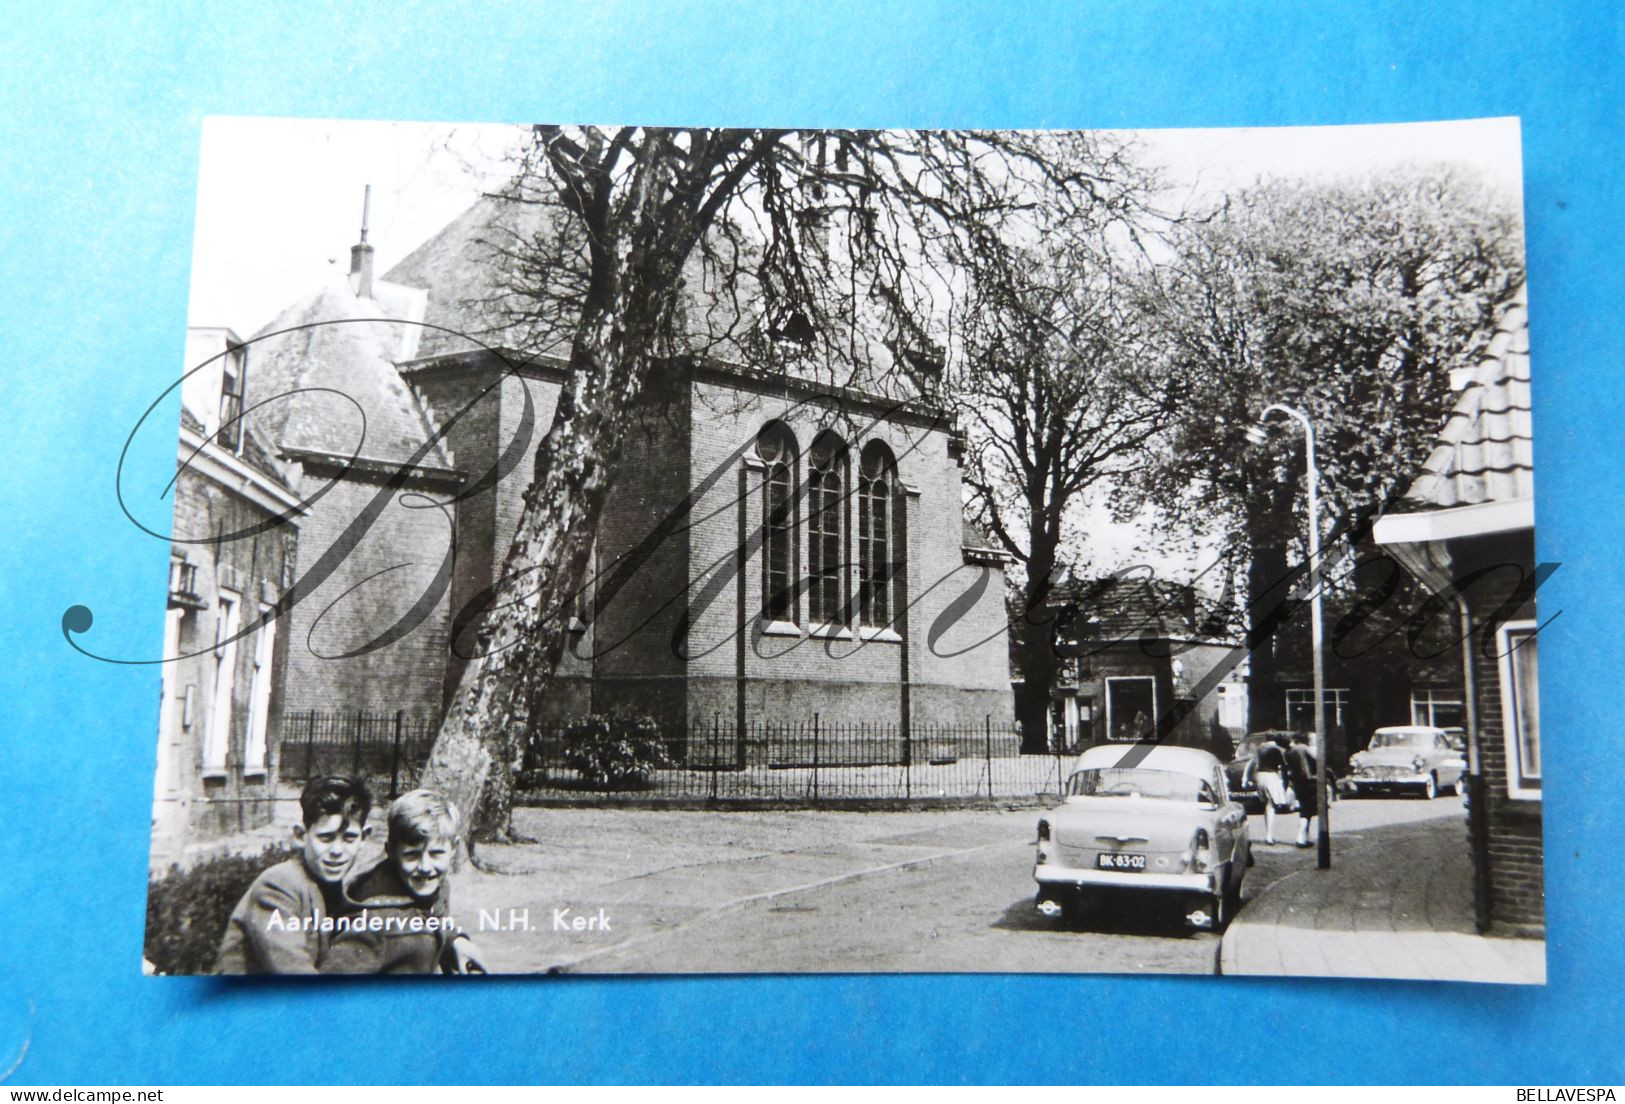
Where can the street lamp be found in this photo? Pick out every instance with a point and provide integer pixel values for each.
(1258, 435)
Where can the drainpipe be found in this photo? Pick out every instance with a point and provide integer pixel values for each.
(1478, 813)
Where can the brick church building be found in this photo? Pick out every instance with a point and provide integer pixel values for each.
(776, 544)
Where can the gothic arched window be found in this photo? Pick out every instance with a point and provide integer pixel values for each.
(777, 449)
(876, 556)
(826, 529)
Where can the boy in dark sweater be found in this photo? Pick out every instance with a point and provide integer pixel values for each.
(283, 924)
(400, 918)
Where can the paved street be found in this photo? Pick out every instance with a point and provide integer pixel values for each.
(658, 891)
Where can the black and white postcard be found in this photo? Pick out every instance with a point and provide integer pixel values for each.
(641, 550)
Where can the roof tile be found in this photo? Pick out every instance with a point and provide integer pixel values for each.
(1485, 452)
(334, 355)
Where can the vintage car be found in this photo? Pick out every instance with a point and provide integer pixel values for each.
(1412, 757)
(1145, 817)
(1238, 773)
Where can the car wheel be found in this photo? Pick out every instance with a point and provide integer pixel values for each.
(1430, 788)
(1232, 896)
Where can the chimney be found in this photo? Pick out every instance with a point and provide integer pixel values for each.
(361, 254)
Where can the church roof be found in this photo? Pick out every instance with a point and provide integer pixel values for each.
(466, 271)
(256, 450)
(1485, 452)
(336, 352)
(459, 270)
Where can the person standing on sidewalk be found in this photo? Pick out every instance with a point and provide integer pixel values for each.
(1269, 764)
(1302, 776)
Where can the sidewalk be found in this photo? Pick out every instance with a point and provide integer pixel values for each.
(1397, 903)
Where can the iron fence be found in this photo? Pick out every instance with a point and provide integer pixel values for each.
(388, 749)
(806, 762)
(812, 762)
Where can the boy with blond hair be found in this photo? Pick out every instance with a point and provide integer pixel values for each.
(400, 918)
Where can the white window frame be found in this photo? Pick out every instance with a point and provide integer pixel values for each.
(169, 712)
(1111, 721)
(1424, 703)
(1522, 785)
(259, 697)
(1336, 696)
(787, 536)
(217, 737)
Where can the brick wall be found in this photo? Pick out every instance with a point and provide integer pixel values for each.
(195, 800)
(381, 573)
(632, 652)
(960, 679)
(472, 440)
(493, 393)
(642, 561)
(1516, 870)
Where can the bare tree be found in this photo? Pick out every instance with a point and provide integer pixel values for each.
(1057, 395)
(654, 245)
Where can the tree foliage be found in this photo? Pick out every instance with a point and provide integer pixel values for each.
(1352, 301)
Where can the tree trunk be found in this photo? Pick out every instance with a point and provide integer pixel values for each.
(627, 311)
(1037, 666)
(527, 631)
(1269, 601)
(1266, 700)
(1035, 657)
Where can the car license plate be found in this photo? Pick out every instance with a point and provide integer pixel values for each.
(1119, 860)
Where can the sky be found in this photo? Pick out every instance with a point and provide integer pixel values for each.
(279, 204)
(1214, 160)
(279, 200)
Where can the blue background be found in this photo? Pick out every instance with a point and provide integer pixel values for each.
(100, 114)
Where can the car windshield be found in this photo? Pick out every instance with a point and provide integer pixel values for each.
(1249, 746)
(1139, 782)
(1402, 739)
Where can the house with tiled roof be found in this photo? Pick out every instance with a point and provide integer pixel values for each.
(1134, 649)
(778, 545)
(232, 549)
(1466, 531)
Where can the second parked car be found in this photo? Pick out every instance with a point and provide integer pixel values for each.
(1410, 757)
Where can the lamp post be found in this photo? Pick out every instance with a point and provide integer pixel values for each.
(1259, 435)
